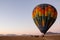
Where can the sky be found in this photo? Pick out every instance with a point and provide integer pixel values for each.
(16, 16)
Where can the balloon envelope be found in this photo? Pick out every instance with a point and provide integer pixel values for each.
(44, 15)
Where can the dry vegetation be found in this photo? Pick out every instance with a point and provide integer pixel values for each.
(47, 37)
(19, 38)
(52, 37)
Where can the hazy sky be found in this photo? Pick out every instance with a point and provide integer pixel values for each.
(16, 16)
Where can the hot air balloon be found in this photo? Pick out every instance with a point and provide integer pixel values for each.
(44, 15)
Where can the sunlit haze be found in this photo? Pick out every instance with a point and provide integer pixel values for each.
(16, 16)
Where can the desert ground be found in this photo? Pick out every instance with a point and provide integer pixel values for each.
(32, 37)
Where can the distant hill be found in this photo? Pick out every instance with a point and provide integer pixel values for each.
(52, 33)
(1, 35)
(11, 35)
(8, 35)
